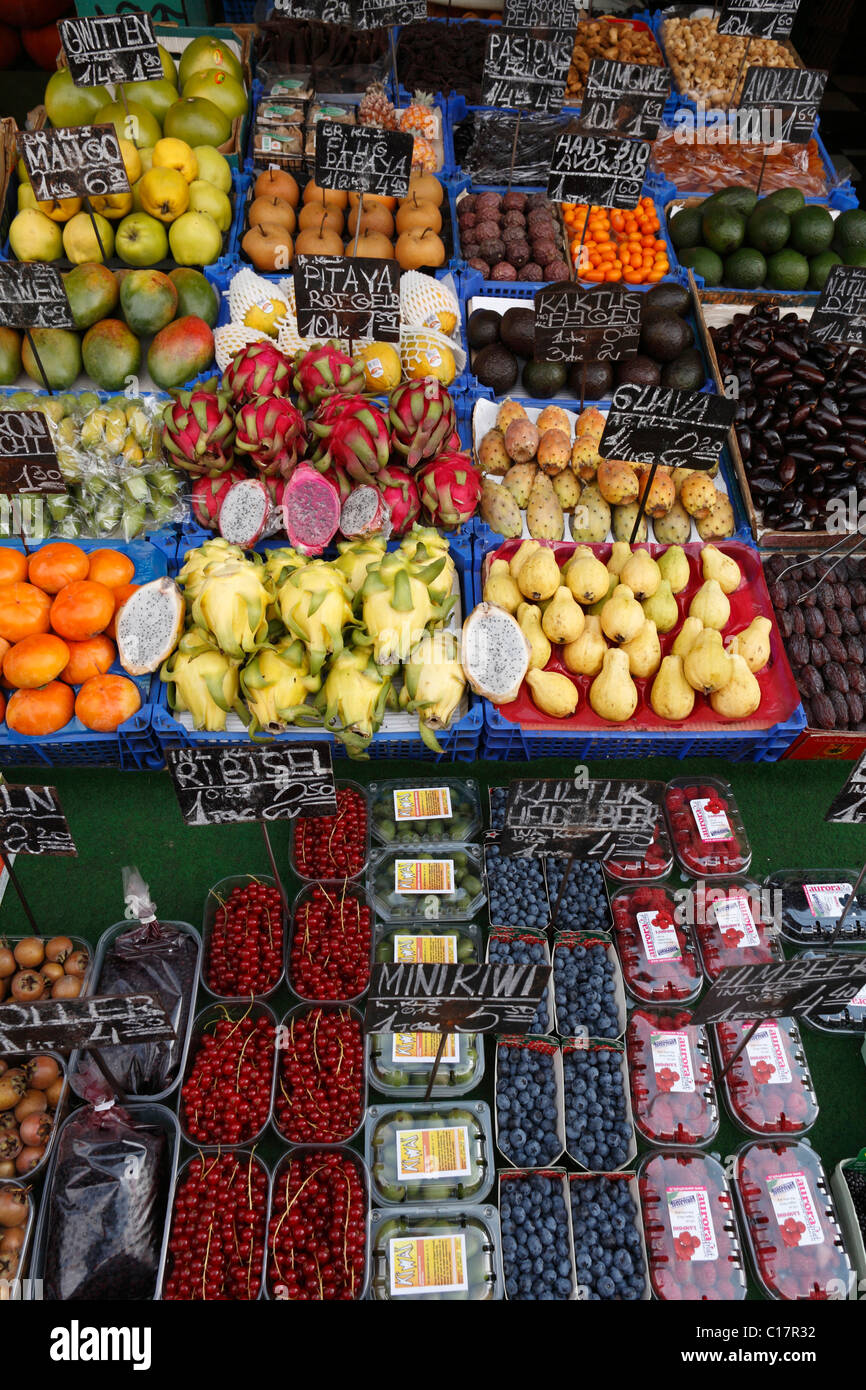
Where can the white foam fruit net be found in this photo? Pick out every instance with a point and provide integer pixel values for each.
(422, 299)
(424, 345)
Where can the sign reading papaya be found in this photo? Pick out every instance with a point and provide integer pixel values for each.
(103, 48)
(356, 158)
(73, 162)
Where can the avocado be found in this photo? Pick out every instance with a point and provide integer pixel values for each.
(483, 328)
(543, 379)
(664, 336)
(787, 270)
(685, 227)
(820, 267)
(768, 228)
(638, 371)
(598, 383)
(746, 269)
(495, 366)
(703, 262)
(673, 298)
(790, 200)
(517, 331)
(849, 234)
(812, 230)
(686, 372)
(742, 200)
(723, 229)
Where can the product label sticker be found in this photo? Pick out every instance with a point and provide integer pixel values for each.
(691, 1222)
(430, 1264)
(767, 1055)
(423, 875)
(659, 936)
(421, 1048)
(417, 950)
(672, 1062)
(423, 1154)
(736, 923)
(712, 825)
(795, 1209)
(827, 899)
(374, 367)
(422, 803)
(859, 1000)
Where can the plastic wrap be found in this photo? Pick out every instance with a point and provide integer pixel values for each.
(484, 149)
(707, 167)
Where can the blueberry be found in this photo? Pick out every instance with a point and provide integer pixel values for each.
(584, 902)
(516, 889)
(536, 1256)
(585, 1004)
(604, 1221)
(527, 1126)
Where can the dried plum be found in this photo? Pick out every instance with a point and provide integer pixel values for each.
(840, 707)
(854, 649)
(856, 677)
(842, 596)
(834, 677)
(798, 650)
(815, 625)
(818, 653)
(786, 624)
(798, 620)
(823, 712)
(810, 681)
(779, 595)
(836, 649)
(852, 621)
(860, 614)
(856, 708)
(833, 621)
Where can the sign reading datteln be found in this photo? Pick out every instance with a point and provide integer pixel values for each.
(434, 997)
(358, 159)
(32, 295)
(223, 787)
(796, 93)
(840, 314)
(28, 459)
(76, 162)
(110, 48)
(572, 322)
(655, 424)
(758, 19)
(628, 98)
(347, 297)
(598, 169)
(32, 821)
(526, 69)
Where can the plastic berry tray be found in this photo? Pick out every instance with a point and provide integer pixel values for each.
(630, 1181)
(536, 904)
(846, 1212)
(271, 1292)
(769, 1089)
(217, 897)
(454, 945)
(338, 890)
(429, 1152)
(658, 959)
(706, 827)
(812, 902)
(600, 1045)
(779, 695)
(691, 1229)
(418, 906)
(733, 926)
(551, 1047)
(573, 941)
(406, 1074)
(284, 1036)
(789, 1221)
(202, 1023)
(656, 863)
(469, 1257)
(850, 1020)
(293, 836)
(169, 1222)
(530, 938)
(424, 821)
(672, 1090)
(508, 1178)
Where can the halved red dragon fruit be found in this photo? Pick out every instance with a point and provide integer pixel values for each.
(208, 495)
(311, 510)
(247, 513)
(365, 513)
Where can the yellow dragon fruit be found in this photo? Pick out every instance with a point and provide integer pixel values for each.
(424, 544)
(201, 680)
(232, 607)
(199, 562)
(433, 684)
(354, 698)
(396, 606)
(356, 557)
(279, 564)
(275, 684)
(315, 604)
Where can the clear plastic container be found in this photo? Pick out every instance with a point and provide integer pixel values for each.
(706, 827)
(516, 889)
(658, 959)
(274, 1287)
(218, 896)
(624, 1280)
(525, 948)
(429, 1153)
(656, 863)
(851, 1211)
(14, 1265)
(298, 1114)
(330, 895)
(812, 902)
(556, 1280)
(850, 1020)
(308, 828)
(519, 1113)
(690, 1228)
(734, 926)
(425, 813)
(612, 1145)
(399, 1064)
(20, 1059)
(451, 889)
(672, 1090)
(204, 1022)
(769, 1088)
(580, 1010)
(464, 1265)
(457, 945)
(78, 944)
(790, 1222)
(256, 1230)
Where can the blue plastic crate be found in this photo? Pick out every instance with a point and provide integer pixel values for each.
(840, 197)
(240, 185)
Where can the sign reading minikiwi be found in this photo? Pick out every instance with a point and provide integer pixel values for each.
(434, 997)
(840, 314)
(111, 48)
(598, 169)
(526, 68)
(572, 322)
(796, 94)
(28, 459)
(356, 158)
(347, 297)
(627, 98)
(658, 425)
(758, 19)
(32, 295)
(73, 162)
(32, 821)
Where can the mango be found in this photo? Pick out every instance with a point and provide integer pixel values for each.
(180, 351)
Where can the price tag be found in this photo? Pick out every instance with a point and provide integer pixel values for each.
(796, 93)
(357, 158)
(840, 314)
(597, 169)
(572, 322)
(432, 998)
(75, 162)
(423, 876)
(218, 787)
(109, 48)
(32, 821)
(540, 14)
(526, 69)
(627, 98)
(678, 429)
(347, 297)
(32, 295)
(758, 19)
(28, 460)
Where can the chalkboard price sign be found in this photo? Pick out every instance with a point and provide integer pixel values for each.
(328, 11)
(796, 93)
(379, 14)
(75, 162)
(347, 297)
(597, 169)
(536, 14)
(678, 429)
(111, 48)
(32, 821)
(454, 998)
(840, 314)
(526, 69)
(222, 787)
(627, 98)
(32, 295)
(798, 986)
(758, 19)
(64, 1024)
(356, 158)
(572, 322)
(28, 461)
(849, 806)
(553, 816)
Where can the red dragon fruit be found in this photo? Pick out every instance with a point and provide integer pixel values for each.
(340, 478)
(324, 370)
(422, 419)
(400, 491)
(258, 370)
(208, 495)
(272, 434)
(247, 515)
(450, 489)
(365, 513)
(359, 441)
(323, 420)
(311, 510)
(199, 433)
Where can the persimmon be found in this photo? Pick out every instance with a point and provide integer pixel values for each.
(13, 566)
(81, 610)
(120, 597)
(37, 713)
(111, 568)
(104, 702)
(93, 657)
(24, 611)
(56, 565)
(35, 661)
(2, 708)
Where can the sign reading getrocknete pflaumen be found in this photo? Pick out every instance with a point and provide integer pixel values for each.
(604, 170)
(76, 162)
(65, 1024)
(228, 787)
(555, 816)
(111, 48)
(32, 821)
(849, 807)
(526, 69)
(794, 93)
(535, 14)
(347, 297)
(627, 98)
(759, 19)
(362, 160)
(804, 985)
(28, 460)
(678, 429)
(572, 322)
(32, 295)
(432, 998)
(840, 314)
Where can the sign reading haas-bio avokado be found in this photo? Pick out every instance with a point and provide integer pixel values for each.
(32, 295)
(110, 48)
(758, 19)
(605, 170)
(433, 997)
(840, 314)
(32, 821)
(825, 983)
(347, 297)
(222, 787)
(75, 162)
(556, 816)
(794, 93)
(656, 424)
(572, 322)
(356, 158)
(65, 1024)
(627, 98)
(526, 68)
(28, 460)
